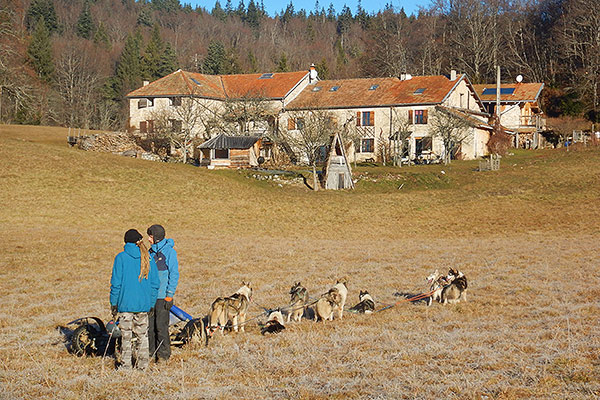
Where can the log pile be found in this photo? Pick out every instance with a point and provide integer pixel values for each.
(121, 143)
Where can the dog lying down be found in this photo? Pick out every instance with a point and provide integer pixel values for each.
(366, 305)
(274, 323)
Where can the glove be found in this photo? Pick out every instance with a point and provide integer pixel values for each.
(114, 311)
(168, 303)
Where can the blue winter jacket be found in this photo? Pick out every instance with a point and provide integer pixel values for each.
(127, 291)
(165, 257)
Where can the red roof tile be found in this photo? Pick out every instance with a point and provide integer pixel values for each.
(353, 93)
(522, 91)
(221, 86)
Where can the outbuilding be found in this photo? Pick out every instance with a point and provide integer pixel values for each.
(225, 151)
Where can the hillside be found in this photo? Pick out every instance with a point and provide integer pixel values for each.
(525, 236)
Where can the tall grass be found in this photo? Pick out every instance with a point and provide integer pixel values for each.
(526, 237)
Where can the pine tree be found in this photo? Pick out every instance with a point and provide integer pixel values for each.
(241, 10)
(288, 14)
(331, 12)
(151, 59)
(218, 12)
(361, 16)
(145, 17)
(168, 61)
(40, 51)
(85, 24)
(229, 8)
(323, 69)
(215, 59)
(38, 9)
(101, 36)
(253, 15)
(282, 64)
(253, 62)
(128, 74)
(231, 64)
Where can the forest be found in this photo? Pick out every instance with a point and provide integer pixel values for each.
(71, 63)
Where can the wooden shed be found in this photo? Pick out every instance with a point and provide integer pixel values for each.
(224, 151)
(337, 173)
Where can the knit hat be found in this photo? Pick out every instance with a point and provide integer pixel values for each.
(132, 236)
(157, 232)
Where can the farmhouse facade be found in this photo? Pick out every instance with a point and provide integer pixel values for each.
(376, 109)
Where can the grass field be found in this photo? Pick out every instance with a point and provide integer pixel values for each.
(527, 237)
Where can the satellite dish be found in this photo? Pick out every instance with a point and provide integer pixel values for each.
(519, 78)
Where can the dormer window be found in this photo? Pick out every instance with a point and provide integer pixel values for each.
(143, 103)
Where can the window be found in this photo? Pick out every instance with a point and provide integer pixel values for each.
(334, 88)
(462, 95)
(367, 145)
(373, 87)
(492, 91)
(295, 123)
(175, 101)
(316, 88)
(417, 117)
(365, 118)
(299, 123)
(266, 76)
(221, 154)
(143, 127)
(419, 91)
(195, 81)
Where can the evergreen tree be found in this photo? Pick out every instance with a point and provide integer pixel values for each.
(153, 54)
(38, 9)
(128, 72)
(218, 12)
(101, 36)
(288, 14)
(331, 12)
(215, 59)
(40, 51)
(241, 10)
(168, 61)
(253, 15)
(323, 69)
(145, 17)
(361, 16)
(229, 8)
(231, 64)
(282, 64)
(253, 62)
(85, 24)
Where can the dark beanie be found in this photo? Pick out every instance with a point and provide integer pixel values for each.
(132, 236)
(157, 232)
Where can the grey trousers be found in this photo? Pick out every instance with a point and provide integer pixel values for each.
(160, 342)
(134, 324)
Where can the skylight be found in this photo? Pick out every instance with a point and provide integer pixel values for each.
(266, 76)
(492, 91)
(195, 81)
(419, 91)
(334, 88)
(316, 88)
(373, 87)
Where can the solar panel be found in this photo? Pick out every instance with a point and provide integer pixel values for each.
(266, 76)
(419, 91)
(195, 81)
(492, 91)
(373, 87)
(334, 88)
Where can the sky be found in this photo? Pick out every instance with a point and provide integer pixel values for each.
(275, 6)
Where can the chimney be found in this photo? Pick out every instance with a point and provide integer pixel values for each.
(452, 74)
(145, 83)
(313, 76)
(405, 77)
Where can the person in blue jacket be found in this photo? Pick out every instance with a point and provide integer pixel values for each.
(133, 290)
(168, 272)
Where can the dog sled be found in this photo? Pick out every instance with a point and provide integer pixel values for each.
(91, 337)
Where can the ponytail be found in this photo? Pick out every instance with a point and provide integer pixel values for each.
(144, 260)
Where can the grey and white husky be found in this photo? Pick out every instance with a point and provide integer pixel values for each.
(366, 305)
(298, 300)
(456, 290)
(231, 309)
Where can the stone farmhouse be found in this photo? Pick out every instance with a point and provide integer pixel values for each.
(375, 108)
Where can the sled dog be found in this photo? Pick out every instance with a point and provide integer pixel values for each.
(366, 304)
(298, 301)
(342, 288)
(326, 305)
(274, 323)
(231, 309)
(436, 284)
(456, 290)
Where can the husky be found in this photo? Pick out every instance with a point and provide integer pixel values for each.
(298, 300)
(194, 332)
(327, 304)
(342, 288)
(456, 290)
(366, 305)
(274, 323)
(436, 284)
(231, 309)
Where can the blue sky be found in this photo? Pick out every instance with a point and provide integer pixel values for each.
(274, 6)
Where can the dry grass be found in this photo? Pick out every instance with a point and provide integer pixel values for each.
(527, 237)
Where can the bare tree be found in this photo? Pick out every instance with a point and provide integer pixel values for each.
(308, 132)
(246, 114)
(402, 129)
(451, 128)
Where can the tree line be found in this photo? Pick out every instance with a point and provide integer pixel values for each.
(72, 62)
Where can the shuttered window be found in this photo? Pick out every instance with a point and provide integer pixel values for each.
(143, 127)
(150, 126)
(420, 117)
(366, 118)
(291, 124)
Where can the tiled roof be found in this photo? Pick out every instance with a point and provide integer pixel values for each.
(179, 83)
(353, 93)
(522, 91)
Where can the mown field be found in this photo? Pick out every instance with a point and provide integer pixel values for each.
(527, 237)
